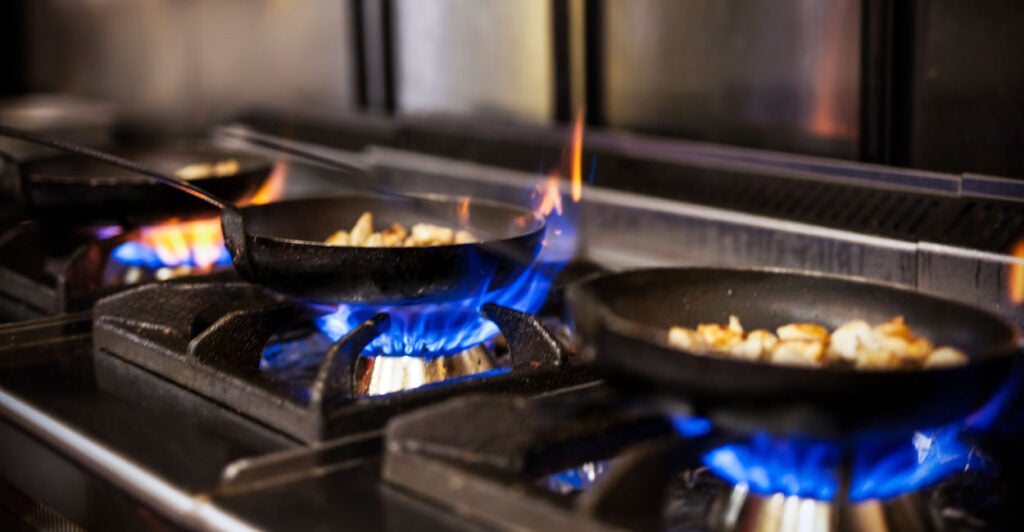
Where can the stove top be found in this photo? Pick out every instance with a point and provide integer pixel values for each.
(594, 459)
(132, 398)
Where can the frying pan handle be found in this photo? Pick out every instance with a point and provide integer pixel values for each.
(119, 162)
(236, 240)
(309, 157)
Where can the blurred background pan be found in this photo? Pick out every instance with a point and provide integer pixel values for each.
(78, 188)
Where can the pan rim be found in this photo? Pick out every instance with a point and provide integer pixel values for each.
(657, 336)
(539, 223)
(253, 163)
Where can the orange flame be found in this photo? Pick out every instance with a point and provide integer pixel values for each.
(200, 242)
(547, 196)
(463, 211)
(577, 156)
(1015, 281)
(273, 188)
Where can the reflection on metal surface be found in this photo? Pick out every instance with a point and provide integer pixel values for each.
(742, 510)
(181, 65)
(468, 56)
(906, 513)
(386, 374)
(769, 74)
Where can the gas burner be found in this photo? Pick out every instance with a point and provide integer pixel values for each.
(48, 269)
(597, 459)
(381, 375)
(171, 250)
(262, 356)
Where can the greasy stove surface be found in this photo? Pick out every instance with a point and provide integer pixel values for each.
(81, 429)
(110, 445)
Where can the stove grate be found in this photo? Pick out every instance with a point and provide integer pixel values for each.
(210, 337)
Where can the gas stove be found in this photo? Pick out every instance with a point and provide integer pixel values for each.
(142, 390)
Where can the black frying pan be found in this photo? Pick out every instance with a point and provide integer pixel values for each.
(623, 320)
(77, 187)
(279, 245)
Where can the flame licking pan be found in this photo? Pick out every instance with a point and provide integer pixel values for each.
(622, 321)
(280, 245)
(77, 188)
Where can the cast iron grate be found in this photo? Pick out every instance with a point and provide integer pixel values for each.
(492, 465)
(210, 337)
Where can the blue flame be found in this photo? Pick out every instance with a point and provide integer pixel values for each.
(998, 407)
(137, 254)
(691, 426)
(810, 469)
(883, 472)
(577, 478)
(768, 465)
(882, 465)
(805, 468)
(438, 329)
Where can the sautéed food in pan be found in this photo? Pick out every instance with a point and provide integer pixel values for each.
(856, 344)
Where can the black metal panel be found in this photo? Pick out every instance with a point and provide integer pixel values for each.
(967, 113)
(13, 49)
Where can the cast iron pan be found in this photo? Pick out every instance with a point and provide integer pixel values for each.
(279, 245)
(622, 321)
(77, 187)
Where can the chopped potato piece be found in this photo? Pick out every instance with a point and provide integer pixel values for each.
(339, 238)
(361, 230)
(373, 240)
(850, 339)
(204, 170)
(720, 338)
(896, 327)
(802, 331)
(429, 235)
(226, 168)
(394, 235)
(195, 171)
(944, 357)
(799, 353)
(687, 339)
(756, 346)
(464, 237)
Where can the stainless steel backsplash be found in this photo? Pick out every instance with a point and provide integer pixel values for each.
(780, 74)
(490, 57)
(183, 64)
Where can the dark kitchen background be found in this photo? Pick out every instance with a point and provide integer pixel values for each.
(929, 84)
